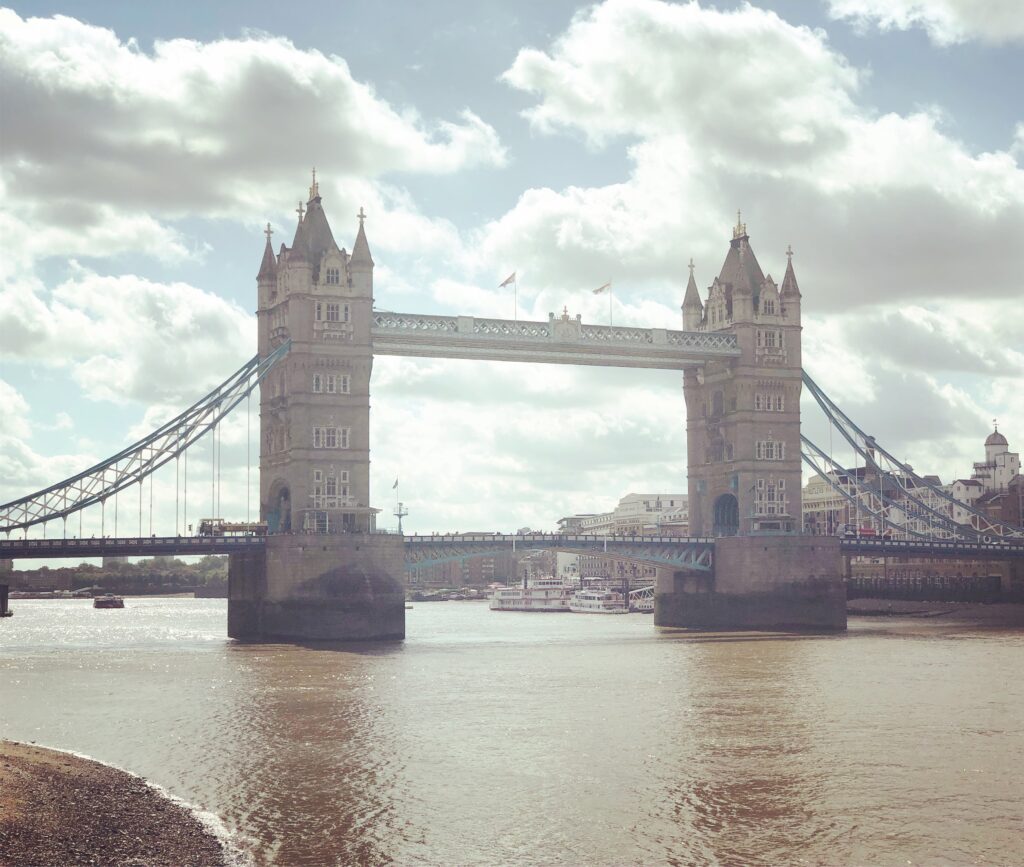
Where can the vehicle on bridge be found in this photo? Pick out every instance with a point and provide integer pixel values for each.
(221, 527)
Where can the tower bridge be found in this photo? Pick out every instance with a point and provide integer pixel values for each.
(324, 571)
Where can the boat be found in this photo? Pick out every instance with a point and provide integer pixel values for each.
(108, 600)
(598, 601)
(545, 593)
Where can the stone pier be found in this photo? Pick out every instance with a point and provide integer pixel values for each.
(308, 587)
(771, 583)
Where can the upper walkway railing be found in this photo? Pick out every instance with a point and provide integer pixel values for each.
(560, 340)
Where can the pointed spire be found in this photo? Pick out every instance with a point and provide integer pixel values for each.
(692, 297)
(789, 285)
(361, 248)
(268, 267)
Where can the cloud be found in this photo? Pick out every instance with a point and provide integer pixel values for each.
(104, 141)
(878, 206)
(744, 84)
(127, 338)
(946, 21)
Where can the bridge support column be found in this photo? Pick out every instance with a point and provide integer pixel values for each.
(319, 588)
(787, 583)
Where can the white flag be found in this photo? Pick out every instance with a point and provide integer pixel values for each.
(511, 278)
(395, 485)
(601, 289)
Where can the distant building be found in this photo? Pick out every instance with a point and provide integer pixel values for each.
(6, 566)
(993, 489)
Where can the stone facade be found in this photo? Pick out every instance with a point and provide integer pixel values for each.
(315, 403)
(325, 574)
(743, 414)
(784, 582)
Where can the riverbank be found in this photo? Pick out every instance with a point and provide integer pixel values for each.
(58, 809)
(980, 613)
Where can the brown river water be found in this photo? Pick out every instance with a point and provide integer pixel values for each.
(512, 738)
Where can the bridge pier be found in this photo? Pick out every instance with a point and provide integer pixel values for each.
(787, 583)
(318, 588)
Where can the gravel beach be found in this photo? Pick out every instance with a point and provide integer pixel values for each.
(57, 809)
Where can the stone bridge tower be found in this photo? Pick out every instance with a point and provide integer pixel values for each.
(326, 574)
(743, 414)
(315, 404)
(744, 465)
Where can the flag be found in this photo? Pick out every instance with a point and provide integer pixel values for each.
(511, 278)
(601, 289)
(395, 485)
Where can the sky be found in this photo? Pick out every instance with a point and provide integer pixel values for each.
(144, 146)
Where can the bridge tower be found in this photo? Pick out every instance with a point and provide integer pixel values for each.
(744, 464)
(743, 415)
(326, 573)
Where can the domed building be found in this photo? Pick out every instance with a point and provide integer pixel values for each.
(1000, 465)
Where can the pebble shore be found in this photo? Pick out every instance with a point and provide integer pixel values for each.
(58, 809)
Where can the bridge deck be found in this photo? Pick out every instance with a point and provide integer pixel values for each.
(417, 546)
(557, 341)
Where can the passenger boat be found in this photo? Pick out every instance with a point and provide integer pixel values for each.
(108, 600)
(535, 594)
(598, 601)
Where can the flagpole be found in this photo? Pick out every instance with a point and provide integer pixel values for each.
(611, 292)
(515, 296)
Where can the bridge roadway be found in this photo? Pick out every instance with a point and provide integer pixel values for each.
(560, 340)
(695, 553)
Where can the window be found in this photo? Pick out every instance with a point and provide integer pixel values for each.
(333, 312)
(769, 450)
(331, 437)
(344, 383)
(769, 305)
(777, 402)
(319, 308)
(333, 277)
(318, 383)
(332, 383)
(331, 488)
(758, 402)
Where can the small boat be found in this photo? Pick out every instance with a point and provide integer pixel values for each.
(536, 594)
(108, 600)
(598, 601)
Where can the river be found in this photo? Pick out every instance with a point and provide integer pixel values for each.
(511, 738)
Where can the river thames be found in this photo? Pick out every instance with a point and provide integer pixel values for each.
(506, 738)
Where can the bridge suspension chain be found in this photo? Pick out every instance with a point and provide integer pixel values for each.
(909, 482)
(863, 496)
(141, 459)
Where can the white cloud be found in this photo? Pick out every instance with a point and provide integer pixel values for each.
(126, 338)
(946, 21)
(743, 83)
(106, 142)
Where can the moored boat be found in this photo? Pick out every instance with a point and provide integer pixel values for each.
(598, 601)
(535, 594)
(108, 600)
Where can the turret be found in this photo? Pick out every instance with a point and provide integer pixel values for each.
(693, 310)
(360, 263)
(790, 292)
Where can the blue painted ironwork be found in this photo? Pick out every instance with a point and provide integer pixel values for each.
(142, 458)
(695, 554)
(902, 475)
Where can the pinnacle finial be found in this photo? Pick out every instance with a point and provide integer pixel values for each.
(691, 266)
(300, 210)
(789, 252)
(741, 227)
(268, 232)
(995, 424)
(361, 215)
(314, 188)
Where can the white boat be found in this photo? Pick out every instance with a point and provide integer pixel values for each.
(598, 601)
(535, 594)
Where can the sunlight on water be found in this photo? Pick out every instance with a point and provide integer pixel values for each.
(496, 738)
